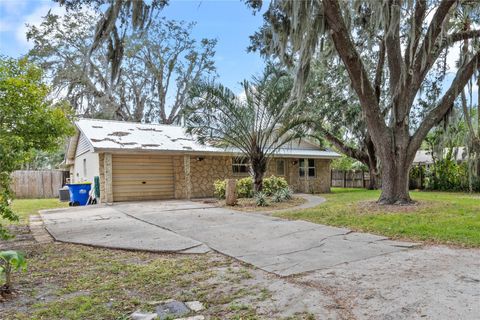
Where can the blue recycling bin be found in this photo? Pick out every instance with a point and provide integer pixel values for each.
(79, 193)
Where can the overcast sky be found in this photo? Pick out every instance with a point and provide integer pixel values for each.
(229, 21)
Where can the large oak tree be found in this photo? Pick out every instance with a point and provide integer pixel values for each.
(408, 37)
(151, 80)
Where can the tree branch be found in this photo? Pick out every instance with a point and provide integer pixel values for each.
(392, 44)
(417, 20)
(379, 70)
(436, 114)
(447, 41)
(342, 147)
(429, 51)
(459, 36)
(354, 65)
(468, 118)
(429, 41)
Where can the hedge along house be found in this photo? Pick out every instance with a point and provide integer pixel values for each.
(149, 162)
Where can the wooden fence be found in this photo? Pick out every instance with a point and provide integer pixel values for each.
(38, 183)
(349, 179)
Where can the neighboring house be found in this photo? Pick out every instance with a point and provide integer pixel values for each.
(148, 161)
(424, 157)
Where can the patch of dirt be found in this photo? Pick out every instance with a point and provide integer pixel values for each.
(249, 204)
(22, 238)
(371, 206)
(432, 282)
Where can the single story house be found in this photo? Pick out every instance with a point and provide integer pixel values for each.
(137, 161)
(424, 157)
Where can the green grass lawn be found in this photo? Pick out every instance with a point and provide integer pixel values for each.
(25, 207)
(438, 217)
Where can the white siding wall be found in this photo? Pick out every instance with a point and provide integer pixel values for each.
(86, 167)
(82, 146)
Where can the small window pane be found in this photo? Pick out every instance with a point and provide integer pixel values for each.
(301, 163)
(311, 162)
(301, 171)
(311, 172)
(280, 167)
(240, 165)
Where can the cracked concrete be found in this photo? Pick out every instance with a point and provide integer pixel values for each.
(272, 244)
(106, 227)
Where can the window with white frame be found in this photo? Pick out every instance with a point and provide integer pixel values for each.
(240, 165)
(306, 167)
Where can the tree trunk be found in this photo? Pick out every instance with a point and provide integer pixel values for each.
(374, 182)
(478, 128)
(372, 168)
(395, 178)
(259, 167)
(257, 181)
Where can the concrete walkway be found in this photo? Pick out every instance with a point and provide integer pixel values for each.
(275, 245)
(311, 202)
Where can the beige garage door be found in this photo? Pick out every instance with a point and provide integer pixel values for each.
(142, 177)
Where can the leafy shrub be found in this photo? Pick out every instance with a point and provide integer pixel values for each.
(245, 187)
(281, 195)
(286, 193)
(10, 261)
(219, 188)
(277, 196)
(261, 199)
(273, 184)
(448, 175)
(346, 164)
(417, 173)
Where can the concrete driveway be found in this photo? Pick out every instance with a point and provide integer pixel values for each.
(275, 245)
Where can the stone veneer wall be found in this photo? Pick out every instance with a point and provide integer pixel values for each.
(179, 178)
(203, 173)
(319, 184)
(101, 158)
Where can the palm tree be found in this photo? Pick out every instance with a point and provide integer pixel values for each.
(256, 124)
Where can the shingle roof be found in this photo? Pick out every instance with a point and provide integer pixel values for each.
(425, 157)
(107, 135)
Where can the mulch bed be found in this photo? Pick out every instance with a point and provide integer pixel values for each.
(249, 204)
